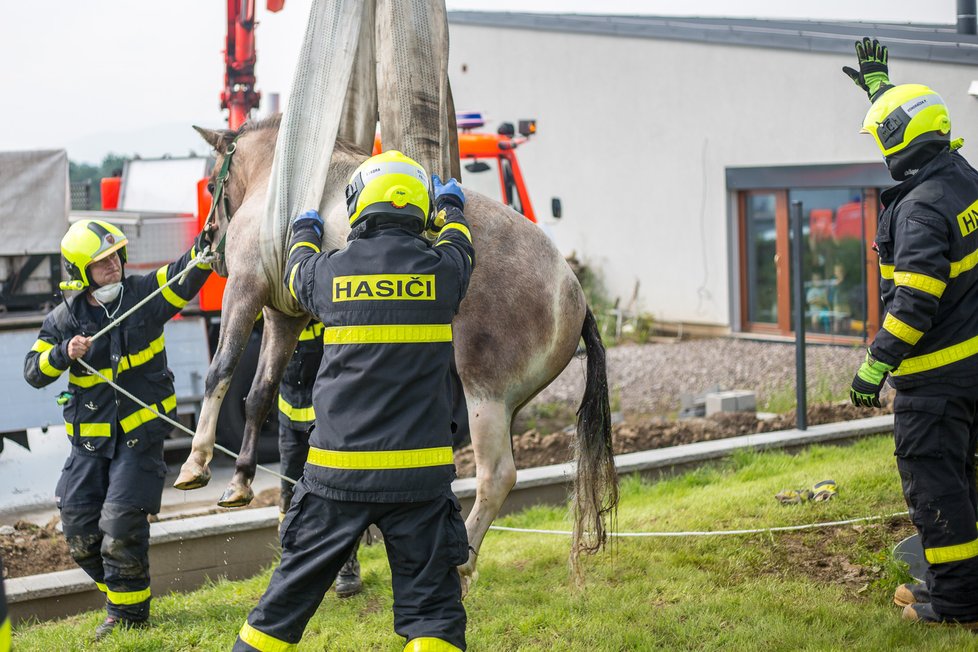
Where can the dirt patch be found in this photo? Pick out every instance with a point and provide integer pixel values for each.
(828, 553)
(639, 433)
(31, 549)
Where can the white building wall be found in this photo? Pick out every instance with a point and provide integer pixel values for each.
(635, 135)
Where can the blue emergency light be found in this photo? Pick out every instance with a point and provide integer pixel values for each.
(469, 120)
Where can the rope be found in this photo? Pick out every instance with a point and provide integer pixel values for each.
(716, 533)
(203, 256)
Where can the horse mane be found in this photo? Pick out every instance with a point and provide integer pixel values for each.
(274, 122)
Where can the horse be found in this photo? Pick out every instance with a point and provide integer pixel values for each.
(519, 326)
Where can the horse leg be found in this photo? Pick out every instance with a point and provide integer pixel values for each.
(489, 423)
(277, 346)
(237, 321)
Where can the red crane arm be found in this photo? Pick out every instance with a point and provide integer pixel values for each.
(239, 96)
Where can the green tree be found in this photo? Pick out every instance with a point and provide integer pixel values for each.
(81, 174)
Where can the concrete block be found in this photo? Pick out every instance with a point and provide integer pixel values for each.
(737, 400)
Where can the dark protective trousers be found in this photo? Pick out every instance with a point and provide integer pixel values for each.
(104, 503)
(935, 437)
(293, 448)
(425, 543)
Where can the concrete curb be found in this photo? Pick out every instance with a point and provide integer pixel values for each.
(235, 545)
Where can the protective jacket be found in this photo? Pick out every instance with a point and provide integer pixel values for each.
(927, 240)
(295, 393)
(383, 396)
(131, 354)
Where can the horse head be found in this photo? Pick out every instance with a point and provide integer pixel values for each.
(241, 159)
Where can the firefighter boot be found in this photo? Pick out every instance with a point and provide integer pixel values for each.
(348, 582)
(911, 593)
(923, 613)
(110, 623)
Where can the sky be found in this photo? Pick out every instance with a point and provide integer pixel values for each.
(130, 77)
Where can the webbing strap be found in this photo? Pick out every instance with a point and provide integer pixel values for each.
(381, 460)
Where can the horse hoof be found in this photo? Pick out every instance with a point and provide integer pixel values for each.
(193, 477)
(236, 497)
(468, 581)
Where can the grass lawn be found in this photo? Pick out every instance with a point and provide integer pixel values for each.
(825, 589)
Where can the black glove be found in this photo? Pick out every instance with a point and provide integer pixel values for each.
(873, 75)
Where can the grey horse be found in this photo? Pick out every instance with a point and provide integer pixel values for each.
(518, 327)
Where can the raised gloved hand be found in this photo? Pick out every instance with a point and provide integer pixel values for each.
(873, 73)
(307, 219)
(866, 385)
(447, 193)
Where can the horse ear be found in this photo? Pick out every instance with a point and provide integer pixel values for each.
(219, 139)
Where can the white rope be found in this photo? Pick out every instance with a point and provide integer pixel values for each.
(203, 256)
(706, 533)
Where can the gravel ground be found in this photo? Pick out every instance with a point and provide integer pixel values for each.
(650, 378)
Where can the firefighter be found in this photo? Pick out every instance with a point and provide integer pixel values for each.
(296, 417)
(113, 477)
(927, 240)
(381, 451)
(4, 618)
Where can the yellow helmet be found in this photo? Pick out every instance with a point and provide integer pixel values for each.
(906, 115)
(86, 242)
(390, 184)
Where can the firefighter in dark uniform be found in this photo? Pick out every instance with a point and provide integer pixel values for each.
(381, 451)
(927, 240)
(113, 477)
(295, 419)
(4, 618)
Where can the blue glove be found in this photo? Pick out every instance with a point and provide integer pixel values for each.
(307, 219)
(449, 192)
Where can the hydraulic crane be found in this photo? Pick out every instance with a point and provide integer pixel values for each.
(239, 96)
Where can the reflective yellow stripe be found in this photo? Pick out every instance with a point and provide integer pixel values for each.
(294, 413)
(295, 268)
(458, 226)
(947, 554)
(937, 359)
(127, 597)
(102, 587)
(90, 429)
(45, 365)
(5, 635)
(886, 271)
(901, 330)
(965, 264)
(144, 415)
(311, 332)
(168, 292)
(91, 379)
(302, 244)
(127, 363)
(393, 334)
(921, 282)
(262, 641)
(376, 460)
(429, 644)
(40, 346)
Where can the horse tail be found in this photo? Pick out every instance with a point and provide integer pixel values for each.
(596, 483)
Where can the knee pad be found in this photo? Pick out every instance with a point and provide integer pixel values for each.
(82, 533)
(124, 523)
